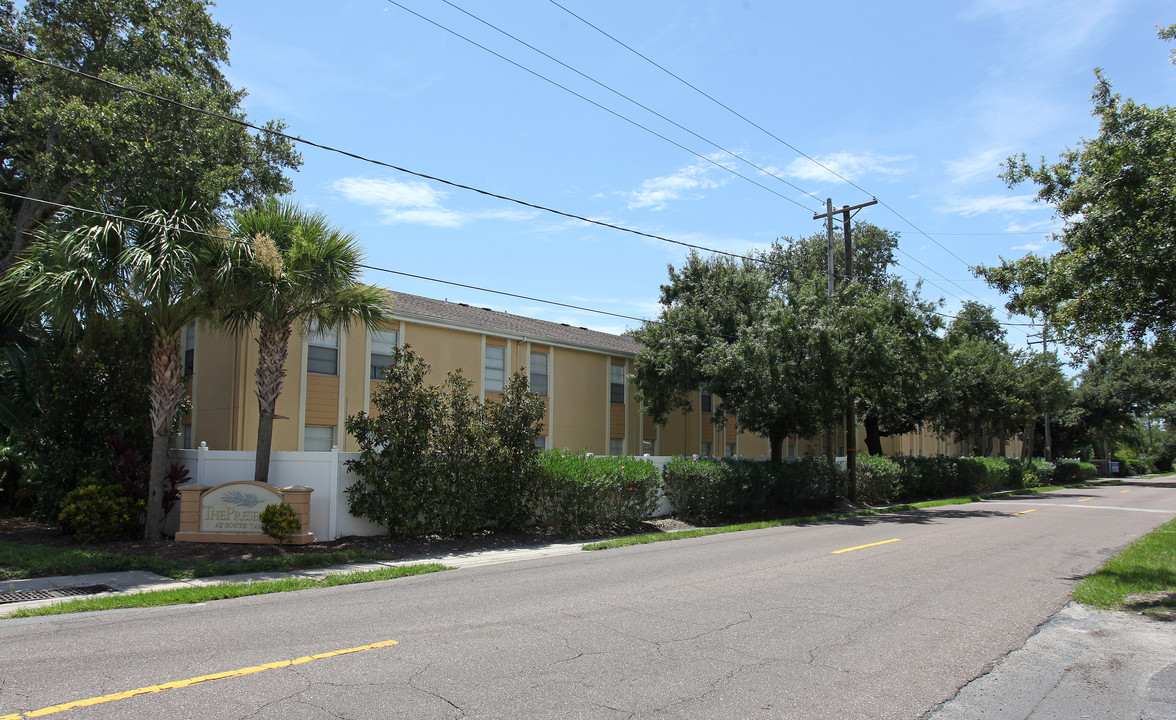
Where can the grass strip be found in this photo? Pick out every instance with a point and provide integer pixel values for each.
(1142, 578)
(223, 591)
(19, 561)
(702, 532)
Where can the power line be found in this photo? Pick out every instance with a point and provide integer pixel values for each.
(414, 276)
(356, 156)
(610, 111)
(380, 163)
(761, 129)
(615, 92)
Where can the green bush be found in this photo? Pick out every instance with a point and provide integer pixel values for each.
(879, 479)
(1069, 472)
(932, 477)
(101, 512)
(279, 521)
(1043, 472)
(1130, 464)
(436, 460)
(710, 490)
(581, 493)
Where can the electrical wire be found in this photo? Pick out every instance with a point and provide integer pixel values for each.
(622, 95)
(765, 131)
(610, 111)
(362, 158)
(380, 163)
(415, 276)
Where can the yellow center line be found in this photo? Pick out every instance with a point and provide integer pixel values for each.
(1085, 499)
(1016, 513)
(1124, 491)
(838, 552)
(190, 681)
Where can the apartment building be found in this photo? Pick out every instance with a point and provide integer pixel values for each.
(582, 375)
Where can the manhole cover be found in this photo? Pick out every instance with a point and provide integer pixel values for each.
(52, 593)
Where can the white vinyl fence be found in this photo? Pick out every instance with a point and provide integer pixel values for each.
(325, 472)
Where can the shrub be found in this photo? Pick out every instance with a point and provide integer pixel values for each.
(929, 477)
(1072, 472)
(1130, 464)
(580, 493)
(1043, 472)
(879, 479)
(279, 521)
(436, 460)
(698, 489)
(97, 511)
(709, 490)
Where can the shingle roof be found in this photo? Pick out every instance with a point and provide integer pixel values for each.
(409, 306)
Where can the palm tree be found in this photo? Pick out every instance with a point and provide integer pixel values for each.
(298, 271)
(154, 267)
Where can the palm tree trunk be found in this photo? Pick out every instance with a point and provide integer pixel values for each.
(273, 342)
(166, 390)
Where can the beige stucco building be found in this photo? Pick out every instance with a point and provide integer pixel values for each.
(582, 374)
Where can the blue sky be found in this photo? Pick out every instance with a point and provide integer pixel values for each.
(916, 103)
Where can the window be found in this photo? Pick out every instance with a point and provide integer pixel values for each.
(190, 349)
(648, 447)
(319, 438)
(322, 352)
(730, 449)
(705, 449)
(383, 343)
(186, 436)
(704, 397)
(539, 373)
(616, 446)
(495, 368)
(541, 443)
(616, 378)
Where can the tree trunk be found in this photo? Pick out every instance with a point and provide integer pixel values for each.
(1030, 432)
(273, 342)
(776, 443)
(873, 435)
(166, 390)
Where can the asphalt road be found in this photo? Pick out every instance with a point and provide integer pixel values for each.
(764, 624)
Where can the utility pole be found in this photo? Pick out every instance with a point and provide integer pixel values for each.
(1048, 449)
(850, 413)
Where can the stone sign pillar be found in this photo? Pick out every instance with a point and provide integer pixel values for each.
(231, 512)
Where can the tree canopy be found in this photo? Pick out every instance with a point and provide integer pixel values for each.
(1112, 279)
(64, 136)
(761, 334)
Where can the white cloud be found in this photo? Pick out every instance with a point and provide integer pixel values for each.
(657, 193)
(983, 165)
(1032, 247)
(1047, 26)
(415, 203)
(848, 165)
(991, 203)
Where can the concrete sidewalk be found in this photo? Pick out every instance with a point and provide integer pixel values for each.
(63, 588)
(1081, 663)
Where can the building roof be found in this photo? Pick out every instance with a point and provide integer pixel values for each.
(409, 306)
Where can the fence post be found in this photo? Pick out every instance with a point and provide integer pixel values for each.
(201, 462)
(333, 495)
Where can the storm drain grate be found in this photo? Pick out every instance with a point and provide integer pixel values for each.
(52, 593)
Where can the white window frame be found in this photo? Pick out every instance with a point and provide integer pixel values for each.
(320, 340)
(381, 341)
(545, 374)
(314, 444)
(495, 377)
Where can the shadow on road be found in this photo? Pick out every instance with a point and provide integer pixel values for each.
(921, 517)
